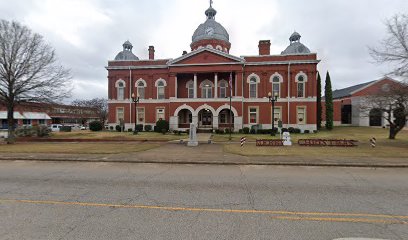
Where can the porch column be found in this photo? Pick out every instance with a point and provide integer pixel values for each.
(195, 85)
(175, 88)
(215, 122)
(216, 85)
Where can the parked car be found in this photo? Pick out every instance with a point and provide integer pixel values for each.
(55, 127)
(84, 128)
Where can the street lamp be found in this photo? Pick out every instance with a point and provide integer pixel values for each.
(135, 99)
(273, 100)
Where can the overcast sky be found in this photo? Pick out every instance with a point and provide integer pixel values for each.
(88, 33)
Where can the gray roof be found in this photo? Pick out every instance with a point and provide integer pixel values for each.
(126, 54)
(345, 92)
(295, 46)
(210, 29)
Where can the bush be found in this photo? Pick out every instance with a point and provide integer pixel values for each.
(284, 130)
(297, 130)
(65, 129)
(148, 128)
(227, 131)
(245, 130)
(164, 131)
(139, 127)
(240, 131)
(314, 131)
(42, 131)
(252, 131)
(130, 129)
(111, 128)
(306, 131)
(160, 125)
(291, 130)
(95, 126)
(118, 128)
(219, 131)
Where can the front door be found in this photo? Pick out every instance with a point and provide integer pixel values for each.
(206, 119)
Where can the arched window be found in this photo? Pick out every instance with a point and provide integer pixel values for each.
(190, 89)
(120, 87)
(218, 47)
(160, 90)
(253, 88)
(301, 86)
(276, 86)
(223, 89)
(206, 89)
(141, 90)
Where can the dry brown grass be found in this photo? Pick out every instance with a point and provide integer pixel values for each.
(116, 135)
(77, 148)
(385, 147)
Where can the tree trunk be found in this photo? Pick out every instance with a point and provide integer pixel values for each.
(393, 132)
(10, 120)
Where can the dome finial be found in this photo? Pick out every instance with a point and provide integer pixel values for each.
(210, 12)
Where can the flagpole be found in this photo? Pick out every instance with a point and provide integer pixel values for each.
(230, 113)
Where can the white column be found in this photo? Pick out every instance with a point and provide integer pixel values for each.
(175, 87)
(235, 84)
(216, 85)
(195, 85)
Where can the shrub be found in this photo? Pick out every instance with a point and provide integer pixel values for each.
(164, 131)
(139, 127)
(111, 128)
(24, 131)
(43, 131)
(130, 129)
(297, 130)
(245, 130)
(240, 131)
(284, 130)
(228, 131)
(148, 128)
(252, 131)
(118, 128)
(65, 129)
(314, 131)
(95, 126)
(162, 124)
(306, 131)
(291, 130)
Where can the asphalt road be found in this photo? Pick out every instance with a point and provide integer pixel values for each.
(46, 200)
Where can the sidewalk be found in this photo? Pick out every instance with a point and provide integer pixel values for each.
(207, 154)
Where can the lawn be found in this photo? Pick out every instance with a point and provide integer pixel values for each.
(77, 148)
(117, 135)
(384, 148)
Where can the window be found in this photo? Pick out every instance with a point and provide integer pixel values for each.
(190, 89)
(223, 89)
(253, 115)
(140, 112)
(160, 90)
(26, 121)
(120, 114)
(41, 121)
(252, 88)
(277, 115)
(141, 90)
(301, 115)
(276, 86)
(160, 114)
(301, 80)
(206, 89)
(121, 91)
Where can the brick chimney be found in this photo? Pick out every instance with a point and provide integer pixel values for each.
(151, 52)
(264, 47)
(184, 52)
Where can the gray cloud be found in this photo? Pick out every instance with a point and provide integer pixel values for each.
(86, 34)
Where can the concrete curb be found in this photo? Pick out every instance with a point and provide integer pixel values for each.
(181, 162)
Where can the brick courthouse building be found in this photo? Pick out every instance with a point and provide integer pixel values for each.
(195, 87)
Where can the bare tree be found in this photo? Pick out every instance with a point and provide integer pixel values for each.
(391, 103)
(394, 48)
(28, 70)
(100, 104)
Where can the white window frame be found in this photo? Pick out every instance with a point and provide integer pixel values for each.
(159, 111)
(120, 90)
(298, 111)
(278, 112)
(223, 89)
(139, 115)
(279, 83)
(256, 112)
(190, 87)
(207, 92)
(303, 82)
(117, 114)
(161, 81)
(250, 82)
(139, 86)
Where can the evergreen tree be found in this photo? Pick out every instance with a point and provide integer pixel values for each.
(319, 102)
(329, 102)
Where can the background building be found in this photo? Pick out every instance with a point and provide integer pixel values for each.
(196, 87)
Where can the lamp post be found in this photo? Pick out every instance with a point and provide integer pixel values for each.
(135, 99)
(273, 100)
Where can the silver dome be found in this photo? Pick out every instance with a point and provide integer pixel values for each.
(295, 46)
(210, 29)
(126, 54)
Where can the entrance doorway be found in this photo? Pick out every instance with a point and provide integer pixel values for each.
(205, 118)
(375, 117)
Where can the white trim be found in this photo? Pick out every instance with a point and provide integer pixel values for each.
(189, 81)
(140, 80)
(301, 73)
(375, 82)
(182, 107)
(237, 59)
(276, 74)
(292, 62)
(205, 106)
(208, 100)
(158, 80)
(206, 81)
(120, 81)
(227, 106)
(258, 79)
